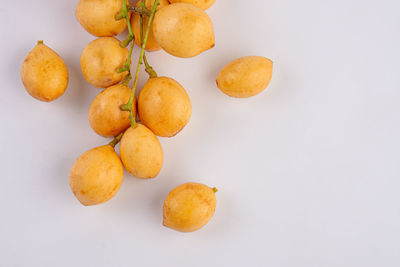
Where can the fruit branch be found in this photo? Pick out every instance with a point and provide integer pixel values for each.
(116, 139)
(124, 14)
(128, 106)
(149, 69)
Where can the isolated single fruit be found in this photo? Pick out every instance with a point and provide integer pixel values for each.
(204, 4)
(44, 73)
(105, 115)
(151, 44)
(98, 17)
(96, 175)
(189, 207)
(141, 152)
(245, 77)
(183, 30)
(100, 61)
(164, 106)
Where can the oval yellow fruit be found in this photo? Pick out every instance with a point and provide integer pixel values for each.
(245, 77)
(203, 4)
(105, 115)
(100, 61)
(44, 73)
(151, 44)
(189, 207)
(98, 17)
(96, 175)
(164, 106)
(183, 30)
(141, 152)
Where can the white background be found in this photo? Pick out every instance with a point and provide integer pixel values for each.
(308, 171)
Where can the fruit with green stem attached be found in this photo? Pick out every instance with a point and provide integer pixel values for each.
(204, 4)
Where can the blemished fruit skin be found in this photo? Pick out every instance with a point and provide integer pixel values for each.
(98, 17)
(183, 30)
(100, 61)
(189, 207)
(96, 175)
(105, 115)
(141, 152)
(151, 44)
(245, 77)
(164, 106)
(203, 4)
(44, 73)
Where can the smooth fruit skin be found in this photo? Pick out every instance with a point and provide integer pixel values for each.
(245, 77)
(164, 106)
(183, 30)
(151, 44)
(100, 61)
(203, 4)
(44, 73)
(141, 152)
(98, 17)
(96, 175)
(189, 207)
(105, 115)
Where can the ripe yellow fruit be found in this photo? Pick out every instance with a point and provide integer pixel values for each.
(100, 61)
(204, 4)
(245, 77)
(164, 106)
(105, 115)
(141, 152)
(183, 30)
(98, 17)
(44, 73)
(189, 207)
(96, 175)
(151, 44)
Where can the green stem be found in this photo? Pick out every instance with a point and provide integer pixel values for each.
(149, 69)
(116, 139)
(215, 189)
(128, 106)
(125, 14)
(40, 42)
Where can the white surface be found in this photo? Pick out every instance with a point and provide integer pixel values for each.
(308, 172)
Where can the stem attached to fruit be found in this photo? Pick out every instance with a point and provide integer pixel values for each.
(128, 106)
(215, 189)
(116, 139)
(124, 14)
(149, 69)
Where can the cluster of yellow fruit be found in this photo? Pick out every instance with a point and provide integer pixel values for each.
(183, 29)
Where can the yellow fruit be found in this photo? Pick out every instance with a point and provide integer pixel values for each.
(204, 4)
(141, 152)
(164, 106)
(44, 73)
(100, 61)
(189, 207)
(151, 44)
(98, 17)
(245, 77)
(183, 30)
(105, 115)
(96, 175)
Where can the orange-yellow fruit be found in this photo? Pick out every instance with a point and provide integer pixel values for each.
(44, 73)
(189, 207)
(204, 4)
(141, 152)
(245, 77)
(151, 44)
(164, 106)
(105, 115)
(96, 175)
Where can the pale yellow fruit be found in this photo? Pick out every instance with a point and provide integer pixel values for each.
(44, 73)
(105, 115)
(100, 61)
(98, 17)
(245, 77)
(183, 30)
(151, 44)
(164, 106)
(141, 152)
(189, 207)
(96, 175)
(204, 4)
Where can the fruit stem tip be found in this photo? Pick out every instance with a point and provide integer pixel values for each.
(215, 189)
